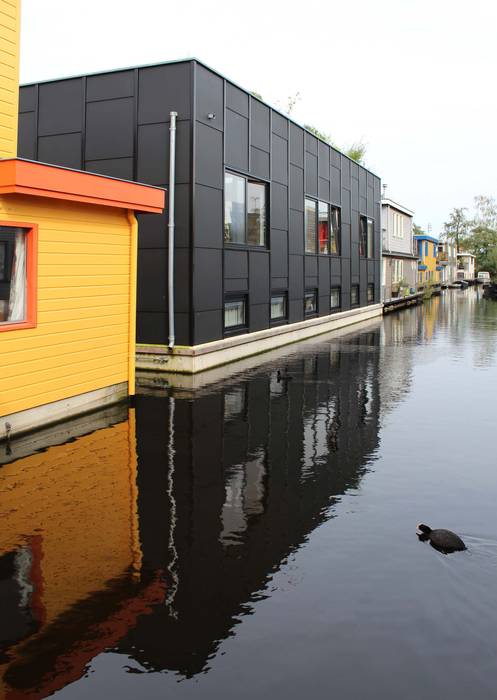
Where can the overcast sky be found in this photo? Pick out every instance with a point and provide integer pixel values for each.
(414, 79)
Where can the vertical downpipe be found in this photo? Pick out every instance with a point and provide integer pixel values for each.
(170, 268)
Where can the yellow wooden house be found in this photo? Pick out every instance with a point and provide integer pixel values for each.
(68, 247)
(428, 266)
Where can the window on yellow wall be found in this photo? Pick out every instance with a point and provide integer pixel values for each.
(17, 278)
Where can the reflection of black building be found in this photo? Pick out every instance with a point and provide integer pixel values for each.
(230, 484)
(117, 124)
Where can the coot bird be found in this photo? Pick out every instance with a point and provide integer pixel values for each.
(443, 540)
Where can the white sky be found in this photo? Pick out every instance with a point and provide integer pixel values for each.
(414, 79)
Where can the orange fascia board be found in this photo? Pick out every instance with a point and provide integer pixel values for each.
(39, 180)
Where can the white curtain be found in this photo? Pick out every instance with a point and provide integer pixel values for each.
(17, 299)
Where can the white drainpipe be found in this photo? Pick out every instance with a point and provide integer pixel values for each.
(170, 268)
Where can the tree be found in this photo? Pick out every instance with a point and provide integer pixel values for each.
(482, 242)
(457, 227)
(417, 230)
(485, 212)
(320, 134)
(356, 151)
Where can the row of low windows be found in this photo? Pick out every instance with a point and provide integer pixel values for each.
(427, 249)
(246, 220)
(235, 309)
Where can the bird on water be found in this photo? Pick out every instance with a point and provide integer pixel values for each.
(443, 540)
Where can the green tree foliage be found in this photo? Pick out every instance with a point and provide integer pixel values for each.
(457, 227)
(476, 234)
(417, 230)
(320, 134)
(356, 151)
(256, 94)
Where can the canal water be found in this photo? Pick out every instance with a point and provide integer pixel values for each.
(255, 536)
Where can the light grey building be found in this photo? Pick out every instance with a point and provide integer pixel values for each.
(447, 259)
(399, 256)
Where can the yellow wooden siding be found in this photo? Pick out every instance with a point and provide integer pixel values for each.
(9, 76)
(82, 341)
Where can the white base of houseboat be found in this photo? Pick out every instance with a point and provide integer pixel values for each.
(57, 411)
(198, 358)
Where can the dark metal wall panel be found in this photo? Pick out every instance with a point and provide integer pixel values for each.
(324, 189)
(209, 156)
(324, 160)
(259, 125)
(208, 217)
(279, 206)
(110, 86)
(209, 98)
(63, 149)
(153, 327)
(28, 98)
(324, 275)
(259, 283)
(296, 145)
(152, 280)
(258, 317)
(279, 160)
(60, 108)
(237, 100)
(279, 283)
(27, 135)
(114, 167)
(237, 133)
(296, 233)
(236, 286)
(311, 174)
(236, 264)
(311, 144)
(296, 188)
(164, 89)
(296, 277)
(153, 153)
(345, 241)
(279, 124)
(110, 129)
(335, 185)
(259, 163)
(279, 253)
(207, 282)
(208, 325)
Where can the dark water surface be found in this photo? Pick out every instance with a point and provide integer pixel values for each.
(256, 537)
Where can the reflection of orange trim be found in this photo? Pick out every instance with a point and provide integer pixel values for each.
(24, 177)
(71, 666)
(31, 275)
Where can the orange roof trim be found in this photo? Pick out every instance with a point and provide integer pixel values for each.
(39, 180)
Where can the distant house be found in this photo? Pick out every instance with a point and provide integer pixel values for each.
(466, 266)
(428, 267)
(399, 255)
(447, 259)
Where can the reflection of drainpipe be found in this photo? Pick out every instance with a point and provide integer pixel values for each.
(170, 267)
(171, 546)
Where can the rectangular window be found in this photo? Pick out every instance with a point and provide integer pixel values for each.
(310, 226)
(354, 295)
(310, 303)
(370, 293)
(234, 314)
(335, 231)
(17, 278)
(245, 207)
(370, 241)
(278, 307)
(335, 298)
(426, 249)
(363, 236)
(323, 227)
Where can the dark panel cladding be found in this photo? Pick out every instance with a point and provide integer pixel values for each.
(110, 129)
(153, 153)
(123, 129)
(64, 150)
(209, 98)
(208, 217)
(27, 135)
(237, 100)
(236, 141)
(164, 89)
(116, 167)
(259, 286)
(60, 108)
(110, 86)
(259, 163)
(259, 125)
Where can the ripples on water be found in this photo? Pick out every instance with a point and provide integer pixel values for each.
(256, 536)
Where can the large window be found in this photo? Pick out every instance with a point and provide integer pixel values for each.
(278, 307)
(235, 314)
(398, 270)
(323, 227)
(310, 226)
(366, 237)
(17, 278)
(398, 225)
(335, 231)
(244, 210)
(335, 298)
(310, 302)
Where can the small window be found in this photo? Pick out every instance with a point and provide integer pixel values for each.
(310, 303)
(323, 227)
(278, 307)
(370, 293)
(234, 314)
(245, 219)
(335, 298)
(17, 278)
(310, 226)
(426, 249)
(354, 295)
(370, 242)
(363, 236)
(335, 231)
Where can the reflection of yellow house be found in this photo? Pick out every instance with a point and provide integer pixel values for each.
(70, 558)
(428, 268)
